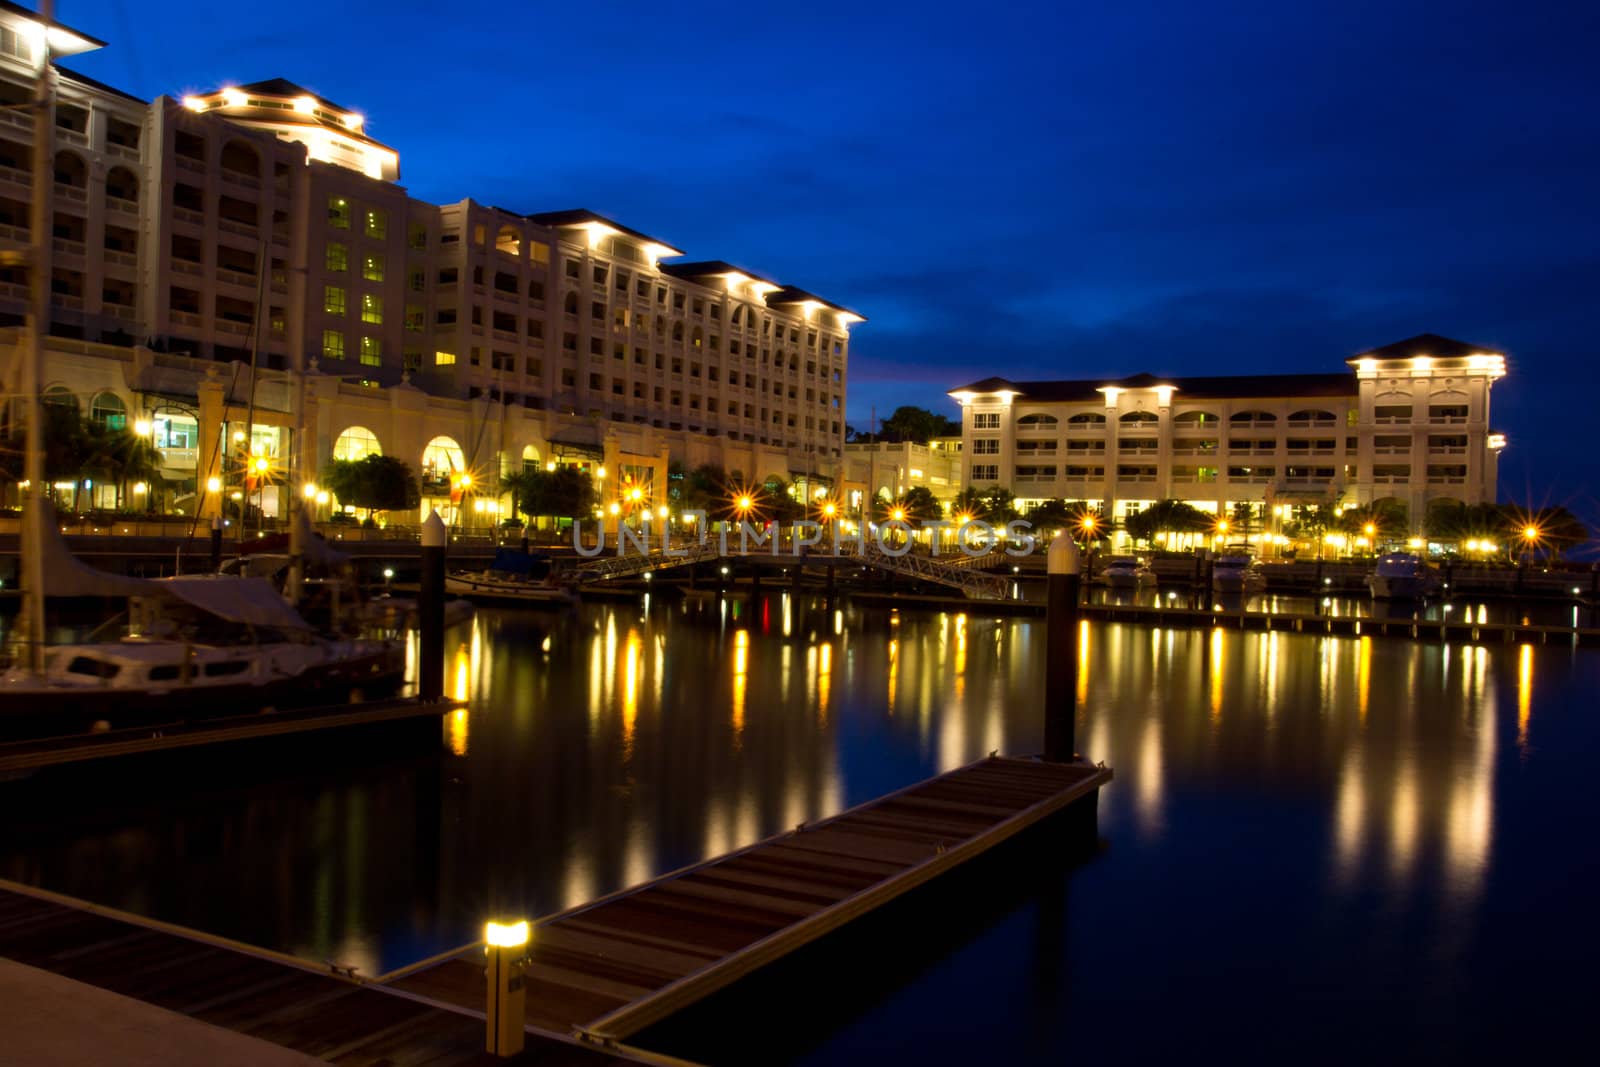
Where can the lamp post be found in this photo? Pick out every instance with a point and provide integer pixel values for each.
(1061, 649)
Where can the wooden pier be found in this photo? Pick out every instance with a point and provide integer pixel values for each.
(22, 757)
(277, 998)
(609, 968)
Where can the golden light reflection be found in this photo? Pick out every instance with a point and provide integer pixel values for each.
(630, 691)
(1150, 770)
(1404, 816)
(461, 684)
(1216, 673)
(894, 670)
(824, 680)
(1349, 814)
(1083, 662)
(1524, 692)
(741, 665)
(1363, 677)
(959, 685)
(458, 732)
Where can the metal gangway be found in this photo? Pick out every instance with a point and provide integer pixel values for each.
(957, 570)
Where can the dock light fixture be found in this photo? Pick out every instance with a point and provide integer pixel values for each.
(898, 514)
(1222, 526)
(1370, 529)
(600, 472)
(635, 494)
(1530, 532)
(263, 464)
(213, 485)
(830, 509)
(309, 491)
(505, 946)
(615, 508)
(744, 503)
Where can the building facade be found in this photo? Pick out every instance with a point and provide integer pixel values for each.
(240, 274)
(889, 468)
(1409, 423)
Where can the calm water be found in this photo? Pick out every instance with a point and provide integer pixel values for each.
(1314, 847)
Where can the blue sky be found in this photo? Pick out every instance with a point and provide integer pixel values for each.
(1033, 190)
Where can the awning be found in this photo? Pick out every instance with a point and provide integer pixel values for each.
(252, 601)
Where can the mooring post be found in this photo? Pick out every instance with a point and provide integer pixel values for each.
(430, 611)
(1061, 649)
(216, 543)
(505, 946)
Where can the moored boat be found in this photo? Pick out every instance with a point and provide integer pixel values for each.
(1237, 574)
(514, 577)
(1128, 572)
(1402, 576)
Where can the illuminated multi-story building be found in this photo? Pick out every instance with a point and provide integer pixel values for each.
(1408, 422)
(262, 226)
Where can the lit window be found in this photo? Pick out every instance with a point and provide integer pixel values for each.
(333, 300)
(371, 309)
(338, 212)
(444, 359)
(539, 252)
(986, 421)
(332, 344)
(377, 223)
(372, 267)
(337, 257)
(416, 318)
(371, 351)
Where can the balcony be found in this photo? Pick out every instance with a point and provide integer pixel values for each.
(1392, 450)
(121, 206)
(73, 137)
(20, 119)
(230, 326)
(509, 337)
(122, 151)
(67, 301)
(67, 247)
(16, 177)
(244, 181)
(1391, 479)
(119, 311)
(189, 215)
(184, 318)
(1392, 420)
(236, 277)
(185, 266)
(189, 163)
(72, 194)
(1447, 420)
(1447, 450)
(242, 229)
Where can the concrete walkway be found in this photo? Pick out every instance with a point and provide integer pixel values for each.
(51, 1021)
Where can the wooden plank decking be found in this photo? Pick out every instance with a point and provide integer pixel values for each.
(22, 756)
(608, 969)
(276, 998)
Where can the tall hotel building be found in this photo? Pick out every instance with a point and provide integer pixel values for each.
(1408, 422)
(262, 225)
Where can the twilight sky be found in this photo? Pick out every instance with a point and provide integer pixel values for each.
(1031, 190)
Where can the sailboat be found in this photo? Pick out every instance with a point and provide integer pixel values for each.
(192, 647)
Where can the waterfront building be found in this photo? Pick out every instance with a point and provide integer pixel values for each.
(890, 468)
(1407, 423)
(263, 226)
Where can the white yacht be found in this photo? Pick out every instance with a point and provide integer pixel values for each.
(1237, 574)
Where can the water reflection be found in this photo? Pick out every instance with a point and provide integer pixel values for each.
(614, 742)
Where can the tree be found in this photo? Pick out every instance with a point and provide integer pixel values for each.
(564, 493)
(1452, 521)
(704, 489)
(1167, 517)
(999, 505)
(776, 503)
(1051, 515)
(1313, 524)
(968, 502)
(1545, 531)
(374, 482)
(917, 504)
(1380, 521)
(918, 425)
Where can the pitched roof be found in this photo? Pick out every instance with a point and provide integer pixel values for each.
(1222, 387)
(285, 87)
(580, 216)
(709, 268)
(791, 294)
(1429, 344)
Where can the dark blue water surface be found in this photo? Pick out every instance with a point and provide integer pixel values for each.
(1315, 848)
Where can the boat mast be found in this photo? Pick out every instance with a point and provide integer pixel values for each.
(39, 237)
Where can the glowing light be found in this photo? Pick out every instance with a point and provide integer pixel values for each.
(661, 512)
(213, 485)
(194, 103)
(238, 436)
(600, 472)
(506, 935)
(1370, 529)
(830, 509)
(310, 491)
(1530, 533)
(142, 427)
(322, 496)
(262, 464)
(635, 494)
(140, 488)
(615, 508)
(550, 466)
(354, 121)
(233, 98)
(898, 514)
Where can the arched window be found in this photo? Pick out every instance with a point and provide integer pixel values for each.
(71, 170)
(1253, 416)
(1136, 417)
(1194, 420)
(108, 410)
(357, 442)
(1036, 422)
(241, 158)
(530, 458)
(442, 462)
(1086, 420)
(737, 316)
(1312, 415)
(60, 394)
(122, 184)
